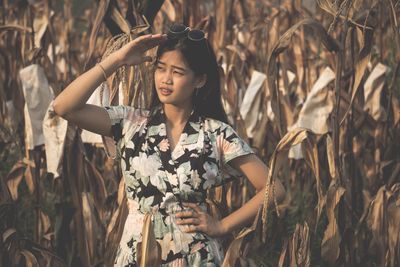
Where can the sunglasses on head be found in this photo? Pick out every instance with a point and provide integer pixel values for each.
(180, 30)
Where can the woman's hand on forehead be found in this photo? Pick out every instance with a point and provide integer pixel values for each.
(149, 41)
(133, 53)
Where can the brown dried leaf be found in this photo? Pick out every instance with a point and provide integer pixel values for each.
(30, 259)
(299, 247)
(248, 238)
(15, 27)
(396, 111)
(330, 157)
(329, 7)
(122, 23)
(239, 51)
(382, 220)
(29, 179)
(310, 152)
(8, 233)
(14, 178)
(282, 45)
(232, 87)
(222, 9)
(364, 57)
(44, 224)
(97, 185)
(101, 11)
(330, 246)
(114, 231)
(372, 92)
(278, 159)
(169, 9)
(283, 254)
(393, 218)
(89, 223)
(149, 250)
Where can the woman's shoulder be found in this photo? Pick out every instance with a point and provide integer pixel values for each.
(214, 125)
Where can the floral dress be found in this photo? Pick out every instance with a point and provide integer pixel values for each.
(158, 180)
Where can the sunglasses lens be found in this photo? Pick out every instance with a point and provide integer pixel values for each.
(177, 28)
(196, 35)
(177, 31)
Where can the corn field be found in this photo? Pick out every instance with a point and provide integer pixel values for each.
(313, 86)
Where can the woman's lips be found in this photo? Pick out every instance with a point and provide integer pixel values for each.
(165, 91)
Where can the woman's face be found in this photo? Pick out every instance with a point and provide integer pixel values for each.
(175, 82)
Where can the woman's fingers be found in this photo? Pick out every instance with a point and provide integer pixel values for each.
(193, 206)
(148, 41)
(194, 221)
(193, 229)
(185, 214)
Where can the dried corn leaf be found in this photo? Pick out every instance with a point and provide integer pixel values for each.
(278, 158)
(115, 229)
(54, 131)
(372, 92)
(393, 218)
(14, 178)
(38, 96)
(169, 9)
(40, 27)
(29, 179)
(122, 23)
(222, 9)
(364, 58)
(396, 111)
(44, 224)
(316, 109)
(14, 27)
(282, 45)
(248, 239)
(30, 259)
(299, 247)
(310, 152)
(96, 183)
(330, 157)
(101, 11)
(330, 246)
(249, 109)
(89, 223)
(329, 7)
(382, 219)
(149, 250)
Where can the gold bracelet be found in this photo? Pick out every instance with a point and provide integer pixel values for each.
(103, 71)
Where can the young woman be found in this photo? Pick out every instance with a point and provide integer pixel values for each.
(173, 153)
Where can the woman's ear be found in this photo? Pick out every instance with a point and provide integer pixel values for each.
(201, 80)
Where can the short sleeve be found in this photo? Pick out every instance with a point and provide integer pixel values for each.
(117, 116)
(231, 146)
(125, 121)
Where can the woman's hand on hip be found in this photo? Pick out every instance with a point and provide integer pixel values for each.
(199, 221)
(134, 52)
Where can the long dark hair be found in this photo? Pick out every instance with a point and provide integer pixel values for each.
(201, 60)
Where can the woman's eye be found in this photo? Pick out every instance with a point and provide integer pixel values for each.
(177, 72)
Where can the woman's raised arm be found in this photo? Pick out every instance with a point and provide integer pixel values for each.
(71, 102)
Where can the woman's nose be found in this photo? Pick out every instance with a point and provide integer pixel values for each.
(167, 78)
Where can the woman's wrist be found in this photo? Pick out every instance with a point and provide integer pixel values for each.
(111, 63)
(223, 227)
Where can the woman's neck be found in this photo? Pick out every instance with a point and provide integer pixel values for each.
(177, 115)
